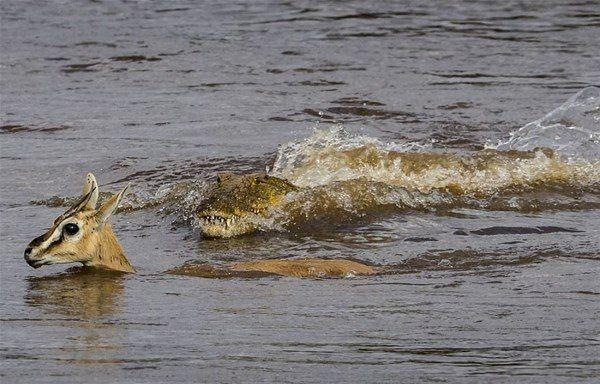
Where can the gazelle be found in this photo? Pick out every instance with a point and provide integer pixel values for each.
(83, 235)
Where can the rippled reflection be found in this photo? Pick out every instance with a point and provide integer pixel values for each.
(79, 293)
(85, 300)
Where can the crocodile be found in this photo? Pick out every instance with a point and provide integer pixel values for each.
(237, 202)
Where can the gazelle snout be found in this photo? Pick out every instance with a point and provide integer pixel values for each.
(30, 252)
(35, 263)
(27, 256)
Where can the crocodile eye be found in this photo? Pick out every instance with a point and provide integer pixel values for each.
(71, 229)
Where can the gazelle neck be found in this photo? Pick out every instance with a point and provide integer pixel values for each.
(109, 253)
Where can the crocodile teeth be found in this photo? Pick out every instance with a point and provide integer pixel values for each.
(218, 220)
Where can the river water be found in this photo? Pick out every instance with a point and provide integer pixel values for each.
(395, 121)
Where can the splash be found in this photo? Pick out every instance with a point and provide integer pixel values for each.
(572, 130)
(335, 156)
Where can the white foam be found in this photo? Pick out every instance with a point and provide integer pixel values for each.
(312, 162)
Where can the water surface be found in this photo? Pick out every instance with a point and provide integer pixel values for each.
(493, 277)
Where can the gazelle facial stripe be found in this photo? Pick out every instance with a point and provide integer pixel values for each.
(54, 237)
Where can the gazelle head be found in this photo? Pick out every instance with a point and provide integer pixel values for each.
(81, 235)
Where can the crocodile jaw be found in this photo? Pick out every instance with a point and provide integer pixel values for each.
(220, 225)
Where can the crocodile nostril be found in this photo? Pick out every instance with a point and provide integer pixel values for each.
(27, 252)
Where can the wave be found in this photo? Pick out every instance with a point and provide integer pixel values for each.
(551, 163)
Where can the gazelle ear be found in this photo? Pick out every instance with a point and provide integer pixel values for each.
(78, 206)
(110, 206)
(90, 185)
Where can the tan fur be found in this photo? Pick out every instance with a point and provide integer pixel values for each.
(302, 268)
(306, 267)
(106, 251)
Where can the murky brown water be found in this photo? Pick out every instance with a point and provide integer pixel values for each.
(380, 113)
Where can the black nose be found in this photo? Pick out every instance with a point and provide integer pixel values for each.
(27, 252)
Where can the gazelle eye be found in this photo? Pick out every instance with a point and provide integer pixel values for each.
(71, 229)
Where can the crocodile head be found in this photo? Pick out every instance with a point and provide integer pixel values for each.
(237, 202)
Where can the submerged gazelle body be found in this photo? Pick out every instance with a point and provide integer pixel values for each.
(83, 235)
